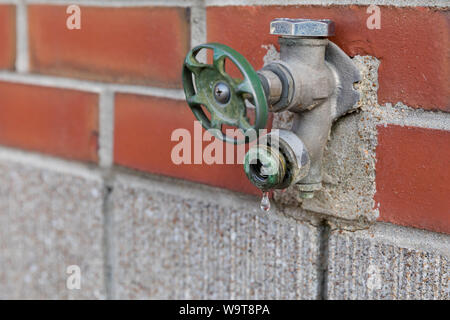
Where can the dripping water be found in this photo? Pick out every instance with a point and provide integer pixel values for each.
(265, 202)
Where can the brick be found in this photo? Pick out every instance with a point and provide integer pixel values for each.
(142, 140)
(7, 36)
(185, 242)
(412, 44)
(48, 221)
(137, 45)
(388, 262)
(56, 121)
(413, 177)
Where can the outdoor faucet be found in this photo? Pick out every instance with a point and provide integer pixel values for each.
(313, 79)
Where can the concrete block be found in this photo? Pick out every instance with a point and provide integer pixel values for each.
(388, 262)
(49, 220)
(178, 240)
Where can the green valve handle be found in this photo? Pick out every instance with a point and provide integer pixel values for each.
(223, 96)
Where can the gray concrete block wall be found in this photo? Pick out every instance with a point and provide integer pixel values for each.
(48, 221)
(154, 237)
(182, 243)
(388, 262)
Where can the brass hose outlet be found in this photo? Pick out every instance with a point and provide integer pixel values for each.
(277, 161)
(265, 167)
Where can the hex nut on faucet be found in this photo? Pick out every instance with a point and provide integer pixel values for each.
(302, 27)
(278, 160)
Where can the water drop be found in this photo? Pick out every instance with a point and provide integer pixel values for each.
(265, 202)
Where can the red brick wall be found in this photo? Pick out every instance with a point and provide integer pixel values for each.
(137, 52)
(413, 44)
(128, 45)
(413, 177)
(7, 36)
(56, 121)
